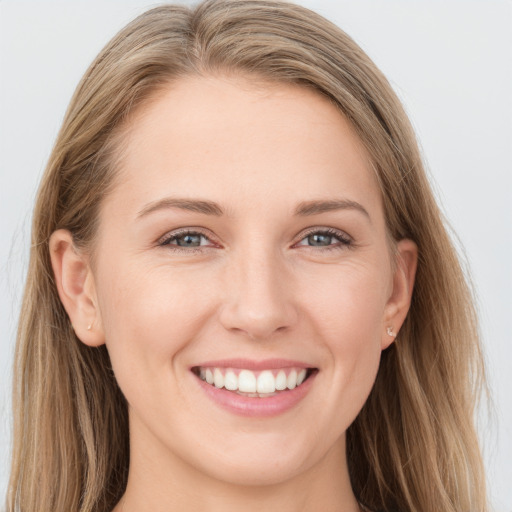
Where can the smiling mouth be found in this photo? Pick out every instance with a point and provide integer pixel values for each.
(254, 384)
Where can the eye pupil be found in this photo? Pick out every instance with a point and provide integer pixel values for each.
(189, 240)
(319, 239)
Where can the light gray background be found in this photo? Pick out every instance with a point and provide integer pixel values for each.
(450, 62)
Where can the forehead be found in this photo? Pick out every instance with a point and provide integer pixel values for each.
(229, 139)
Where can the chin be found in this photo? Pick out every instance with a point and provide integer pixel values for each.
(270, 461)
(268, 472)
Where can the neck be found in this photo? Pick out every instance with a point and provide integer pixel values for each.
(165, 484)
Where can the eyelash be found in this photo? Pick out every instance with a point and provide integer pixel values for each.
(167, 240)
(344, 241)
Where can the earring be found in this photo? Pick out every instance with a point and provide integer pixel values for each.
(89, 327)
(390, 332)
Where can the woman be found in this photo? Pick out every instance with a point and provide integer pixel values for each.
(241, 293)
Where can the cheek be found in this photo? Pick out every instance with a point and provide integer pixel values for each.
(346, 310)
(347, 301)
(148, 317)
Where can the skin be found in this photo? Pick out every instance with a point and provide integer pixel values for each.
(255, 289)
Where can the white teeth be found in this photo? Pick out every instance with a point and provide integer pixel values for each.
(266, 382)
(231, 381)
(247, 381)
(281, 381)
(263, 384)
(218, 378)
(291, 382)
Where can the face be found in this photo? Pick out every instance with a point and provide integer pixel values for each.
(243, 244)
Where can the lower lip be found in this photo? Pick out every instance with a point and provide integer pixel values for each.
(256, 406)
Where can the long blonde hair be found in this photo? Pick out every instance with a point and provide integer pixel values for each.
(413, 447)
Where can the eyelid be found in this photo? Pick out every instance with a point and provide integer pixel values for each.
(344, 238)
(192, 230)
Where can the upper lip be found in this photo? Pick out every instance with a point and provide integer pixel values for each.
(250, 364)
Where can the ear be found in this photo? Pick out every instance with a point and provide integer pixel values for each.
(75, 284)
(403, 283)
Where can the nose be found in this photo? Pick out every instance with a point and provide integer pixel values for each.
(259, 297)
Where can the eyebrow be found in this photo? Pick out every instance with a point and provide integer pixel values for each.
(193, 205)
(304, 209)
(307, 208)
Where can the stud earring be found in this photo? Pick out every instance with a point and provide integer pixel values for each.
(390, 332)
(89, 327)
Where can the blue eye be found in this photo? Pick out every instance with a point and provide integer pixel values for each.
(186, 239)
(327, 238)
(319, 239)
